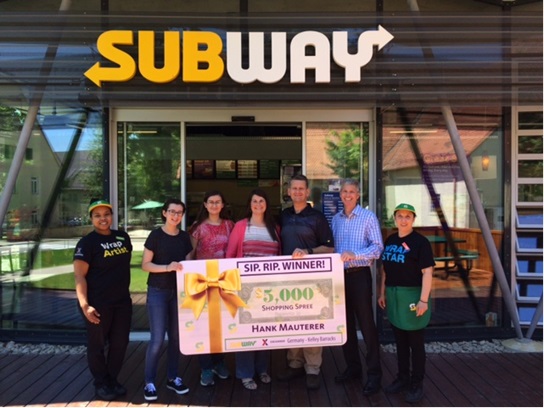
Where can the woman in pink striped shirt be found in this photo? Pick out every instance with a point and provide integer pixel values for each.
(257, 234)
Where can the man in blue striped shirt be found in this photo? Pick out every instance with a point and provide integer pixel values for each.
(358, 240)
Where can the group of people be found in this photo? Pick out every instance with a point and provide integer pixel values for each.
(102, 273)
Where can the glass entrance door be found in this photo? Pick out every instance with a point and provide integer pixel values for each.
(149, 160)
(235, 158)
(165, 153)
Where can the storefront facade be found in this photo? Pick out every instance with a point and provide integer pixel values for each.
(440, 107)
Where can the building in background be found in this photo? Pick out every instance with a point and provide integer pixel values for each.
(139, 101)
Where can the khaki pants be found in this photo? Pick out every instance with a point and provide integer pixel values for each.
(308, 357)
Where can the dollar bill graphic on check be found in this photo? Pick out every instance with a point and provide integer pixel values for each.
(287, 301)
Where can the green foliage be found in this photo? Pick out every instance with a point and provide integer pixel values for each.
(93, 175)
(65, 281)
(152, 164)
(58, 257)
(348, 155)
(344, 151)
(11, 119)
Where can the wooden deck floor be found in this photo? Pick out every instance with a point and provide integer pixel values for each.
(509, 379)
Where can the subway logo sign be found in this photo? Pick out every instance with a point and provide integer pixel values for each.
(202, 57)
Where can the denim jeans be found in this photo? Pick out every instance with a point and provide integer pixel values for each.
(162, 312)
(209, 361)
(249, 363)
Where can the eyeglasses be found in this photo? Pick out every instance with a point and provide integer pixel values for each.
(214, 202)
(172, 212)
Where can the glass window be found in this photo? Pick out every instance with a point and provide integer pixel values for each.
(529, 241)
(34, 218)
(9, 151)
(335, 151)
(149, 171)
(45, 267)
(530, 193)
(420, 167)
(34, 185)
(530, 120)
(530, 144)
(530, 218)
(526, 314)
(529, 289)
(28, 154)
(527, 264)
(530, 168)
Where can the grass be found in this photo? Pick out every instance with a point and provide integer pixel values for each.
(65, 281)
(44, 259)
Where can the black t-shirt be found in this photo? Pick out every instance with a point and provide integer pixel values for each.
(166, 248)
(307, 229)
(404, 258)
(108, 277)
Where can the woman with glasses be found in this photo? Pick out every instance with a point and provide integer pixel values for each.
(164, 249)
(210, 236)
(257, 234)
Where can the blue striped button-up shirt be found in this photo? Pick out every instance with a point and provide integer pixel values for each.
(359, 233)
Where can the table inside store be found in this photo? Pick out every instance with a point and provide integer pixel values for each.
(438, 239)
(466, 256)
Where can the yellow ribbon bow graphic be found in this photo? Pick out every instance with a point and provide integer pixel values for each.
(213, 287)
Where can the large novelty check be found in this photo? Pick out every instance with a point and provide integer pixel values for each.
(261, 303)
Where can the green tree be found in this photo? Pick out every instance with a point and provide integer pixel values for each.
(344, 151)
(152, 163)
(93, 174)
(11, 124)
(11, 119)
(348, 155)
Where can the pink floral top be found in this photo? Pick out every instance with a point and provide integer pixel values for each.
(212, 240)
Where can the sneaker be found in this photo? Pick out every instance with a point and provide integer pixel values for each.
(372, 386)
(312, 381)
(400, 384)
(150, 392)
(118, 389)
(290, 373)
(206, 378)
(177, 386)
(415, 393)
(105, 393)
(221, 371)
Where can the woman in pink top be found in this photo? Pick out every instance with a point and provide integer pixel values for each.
(209, 236)
(257, 234)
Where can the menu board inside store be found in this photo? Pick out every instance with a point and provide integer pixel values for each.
(189, 169)
(247, 169)
(269, 169)
(203, 169)
(225, 169)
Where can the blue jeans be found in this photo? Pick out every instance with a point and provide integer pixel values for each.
(162, 312)
(249, 363)
(209, 361)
